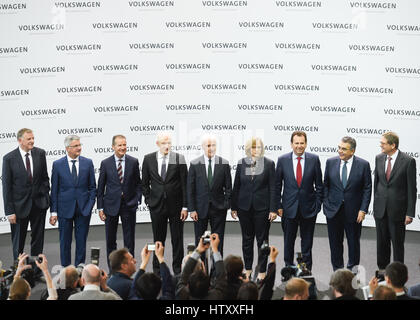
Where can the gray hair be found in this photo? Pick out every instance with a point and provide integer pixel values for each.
(91, 274)
(69, 139)
(163, 134)
(350, 141)
(208, 137)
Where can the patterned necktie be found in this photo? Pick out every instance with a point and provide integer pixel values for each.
(344, 174)
(119, 170)
(209, 173)
(74, 171)
(28, 167)
(163, 169)
(388, 169)
(299, 172)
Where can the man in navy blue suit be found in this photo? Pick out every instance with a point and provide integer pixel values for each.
(119, 194)
(299, 197)
(73, 193)
(347, 192)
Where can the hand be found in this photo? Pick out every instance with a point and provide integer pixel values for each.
(184, 215)
(273, 253)
(53, 220)
(214, 242)
(102, 215)
(22, 265)
(159, 251)
(408, 220)
(234, 214)
(145, 256)
(12, 218)
(360, 217)
(373, 284)
(194, 215)
(44, 264)
(272, 216)
(201, 248)
(280, 212)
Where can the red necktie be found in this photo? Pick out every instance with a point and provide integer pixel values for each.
(388, 169)
(299, 172)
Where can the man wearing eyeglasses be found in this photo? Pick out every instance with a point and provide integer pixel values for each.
(394, 201)
(73, 193)
(347, 192)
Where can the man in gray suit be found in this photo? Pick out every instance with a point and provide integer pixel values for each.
(94, 279)
(395, 194)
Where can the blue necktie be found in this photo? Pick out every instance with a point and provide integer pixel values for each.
(74, 171)
(344, 174)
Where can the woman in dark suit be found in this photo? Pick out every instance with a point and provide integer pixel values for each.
(253, 201)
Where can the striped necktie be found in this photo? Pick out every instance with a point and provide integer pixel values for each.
(119, 170)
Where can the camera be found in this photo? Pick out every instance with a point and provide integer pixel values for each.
(299, 270)
(265, 249)
(6, 279)
(190, 248)
(380, 275)
(206, 237)
(94, 255)
(151, 247)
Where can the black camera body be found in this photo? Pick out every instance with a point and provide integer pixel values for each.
(300, 270)
(265, 249)
(380, 275)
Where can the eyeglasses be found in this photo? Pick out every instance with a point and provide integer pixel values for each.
(76, 146)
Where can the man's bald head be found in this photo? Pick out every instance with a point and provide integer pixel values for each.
(297, 289)
(91, 274)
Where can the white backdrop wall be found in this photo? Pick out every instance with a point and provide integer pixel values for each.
(235, 68)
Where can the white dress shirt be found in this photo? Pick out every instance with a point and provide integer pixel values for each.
(160, 160)
(206, 161)
(23, 154)
(349, 165)
(295, 162)
(394, 157)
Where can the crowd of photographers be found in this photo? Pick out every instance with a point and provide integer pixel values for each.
(225, 280)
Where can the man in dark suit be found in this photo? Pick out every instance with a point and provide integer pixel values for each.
(73, 193)
(299, 194)
(209, 191)
(347, 192)
(164, 180)
(26, 187)
(394, 203)
(119, 194)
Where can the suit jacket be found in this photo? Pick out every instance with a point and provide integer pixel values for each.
(308, 197)
(173, 189)
(200, 194)
(18, 191)
(356, 195)
(110, 188)
(95, 295)
(258, 190)
(398, 196)
(65, 193)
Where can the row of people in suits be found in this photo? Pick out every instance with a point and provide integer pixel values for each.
(293, 190)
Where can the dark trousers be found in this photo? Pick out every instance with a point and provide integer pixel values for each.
(254, 224)
(217, 219)
(18, 232)
(290, 227)
(128, 221)
(336, 228)
(160, 218)
(81, 230)
(389, 231)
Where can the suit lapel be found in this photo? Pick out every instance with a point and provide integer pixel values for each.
(35, 163)
(381, 166)
(19, 161)
(155, 165)
(352, 171)
(337, 173)
(216, 169)
(126, 169)
(397, 165)
(202, 168)
(171, 163)
(291, 168)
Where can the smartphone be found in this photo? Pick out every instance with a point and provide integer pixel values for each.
(150, 247)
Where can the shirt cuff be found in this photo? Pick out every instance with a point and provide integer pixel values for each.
(53, 214)
(217, 256)
(195, 255)
(184, 209)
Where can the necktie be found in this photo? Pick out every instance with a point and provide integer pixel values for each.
(344, 174)
(299, 172)
(119, 170)
(28, 167)
(388, 169)
(74, 171)
(209, 173)
(163, 169)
